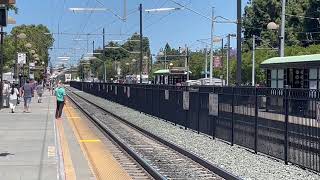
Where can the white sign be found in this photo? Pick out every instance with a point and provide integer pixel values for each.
(185, 100)
(115, 90)
(166, 94)
(213, 104)
(124, 90)
(318, 112)
(31, 76)
(68, 77)
(22, 58)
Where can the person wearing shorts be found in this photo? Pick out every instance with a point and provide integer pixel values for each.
(39, 90)
(27, 92)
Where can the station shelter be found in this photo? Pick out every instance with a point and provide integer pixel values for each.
(294, 72)
(170, 76)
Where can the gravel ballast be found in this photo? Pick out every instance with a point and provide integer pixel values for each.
(234, 159)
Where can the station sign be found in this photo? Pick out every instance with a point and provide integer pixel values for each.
(217, 62)
(166, 94)
(213, 104)
(22, 58)
(186, 100)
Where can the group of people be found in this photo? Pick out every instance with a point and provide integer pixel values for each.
(12, 94)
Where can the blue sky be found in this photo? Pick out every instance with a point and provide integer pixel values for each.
(177, 28)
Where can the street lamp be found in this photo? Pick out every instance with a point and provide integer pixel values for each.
(281, 32)
(275, 27)
(28, 45)
(19, 36)
(32, 51)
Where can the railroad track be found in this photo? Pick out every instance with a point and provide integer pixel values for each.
(161, 159)
(130, 165)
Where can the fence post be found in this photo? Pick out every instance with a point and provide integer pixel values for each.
(232, 119)
(159, 101)
(199, 108)
(286, 98)
(256, 122)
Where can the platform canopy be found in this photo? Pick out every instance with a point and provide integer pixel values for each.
(162, 71)
(304, 61)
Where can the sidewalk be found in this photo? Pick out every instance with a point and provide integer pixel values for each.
(34, 146)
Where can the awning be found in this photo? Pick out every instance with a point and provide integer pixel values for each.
(292, 61)
(162, 71)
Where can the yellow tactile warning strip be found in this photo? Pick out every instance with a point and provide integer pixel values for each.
(101, 161)
(70, 173)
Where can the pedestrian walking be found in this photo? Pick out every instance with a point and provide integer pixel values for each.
(5, 93)
(39, 90)
(60, 93)
(13, 98)
(27, 93)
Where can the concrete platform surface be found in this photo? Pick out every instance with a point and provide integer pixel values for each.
(33, 145)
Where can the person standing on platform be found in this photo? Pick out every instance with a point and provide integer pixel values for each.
(39, 90)
(60, 94)
(27, 93)
(13, 97)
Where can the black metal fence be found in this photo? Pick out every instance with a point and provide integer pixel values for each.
(278, 122)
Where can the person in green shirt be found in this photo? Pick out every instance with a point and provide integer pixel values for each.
(60, 93)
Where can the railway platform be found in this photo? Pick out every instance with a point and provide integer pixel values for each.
(36, 146)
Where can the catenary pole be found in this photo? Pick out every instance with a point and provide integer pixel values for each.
(283, 24)
(253, 59)
(239, 53)
(211, 46)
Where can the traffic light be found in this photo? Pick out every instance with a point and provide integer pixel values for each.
(3, 16)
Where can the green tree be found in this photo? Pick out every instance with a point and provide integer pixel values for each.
(258, 13)
(37, 35)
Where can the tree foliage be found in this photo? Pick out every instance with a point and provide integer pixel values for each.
(37, 35)
(301, 22)
(120, 55)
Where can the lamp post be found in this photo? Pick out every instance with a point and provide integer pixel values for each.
(228, 55)
(274, 26)
(19, 36)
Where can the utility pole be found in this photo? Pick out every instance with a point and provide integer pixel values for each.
(211, 46)
(221, 60)
(141, 38)
(206, 63)
(187, 62)
(104, 55)
(1, 68)
(16, 58)
(283, 24)
(92, 48)
(239, 53)
(165, 58)
(253, 59)
(228, 56)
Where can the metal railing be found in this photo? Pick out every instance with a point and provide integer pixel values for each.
(281, 123)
